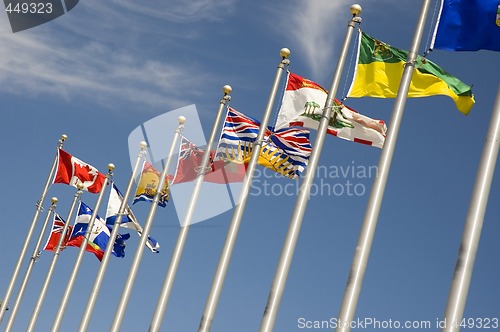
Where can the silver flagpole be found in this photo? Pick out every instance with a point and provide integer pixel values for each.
(281, 274)
(360, 259)
(161, 304)
(109, 249)
(81, 252)
(474, 223)
(52, 266)
(122, 305)
(33, 259)
(220, 274)
(5, 300)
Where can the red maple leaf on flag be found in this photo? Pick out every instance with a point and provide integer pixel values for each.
(84, 172)
(73, 171)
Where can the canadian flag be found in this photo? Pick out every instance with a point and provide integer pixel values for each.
(72, 171)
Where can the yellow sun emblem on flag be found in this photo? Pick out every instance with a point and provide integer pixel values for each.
(269, 158)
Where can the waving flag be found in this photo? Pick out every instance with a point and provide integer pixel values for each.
(73, 171)
(302, 106)
(285, 151)
(55, 234)
(468, 25)
(146, 189)
(189, 163)
(98, 236)
(380, 68)
(129, 220)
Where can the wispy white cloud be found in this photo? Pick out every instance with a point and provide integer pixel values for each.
(179, 11)
(95, 52)
(317, 28)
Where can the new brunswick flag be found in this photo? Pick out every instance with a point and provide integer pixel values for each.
(380, 68)
(146, 189)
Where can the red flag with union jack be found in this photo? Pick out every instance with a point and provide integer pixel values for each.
(218, 171)
(55, 234)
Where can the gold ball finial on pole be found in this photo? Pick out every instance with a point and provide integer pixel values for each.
(54, 200)
(64, 137)
(80, 186)
(181, 120)
(285, 53)
(355, 9)
(143, 145)
(111, 167)
(227, 89)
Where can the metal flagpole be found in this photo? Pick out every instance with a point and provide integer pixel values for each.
(33, 259)
(220, 274)
(363, 247)
(122, 305)
(81, 252)
(109, 249)
(161, 304)
(281, 274)
(474, 223)
(52, 266)
(5, 300)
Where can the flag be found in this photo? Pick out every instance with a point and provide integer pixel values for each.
(129, 220)
(72, 171)
(146, 189)
(302, 106)
(380, 69)
(285, 151)
(99, 235)
(189, 163)
(468, 25)
(55, 234)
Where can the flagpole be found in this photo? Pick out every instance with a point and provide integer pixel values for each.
(122, 305)
(109, 249)
(161, 304)
(365, 240)
(81, 252)
(52, 266)
(33, 259)
(220, 274)
(473, 225)
(5, 300)
(281, 274)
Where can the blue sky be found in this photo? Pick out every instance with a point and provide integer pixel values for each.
(105, 68)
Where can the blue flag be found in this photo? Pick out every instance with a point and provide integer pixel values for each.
(468, 25)
(99, 235)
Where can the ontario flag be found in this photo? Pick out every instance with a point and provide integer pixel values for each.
(73, 171)
(55, 234)
(218, 171)
(303, 103)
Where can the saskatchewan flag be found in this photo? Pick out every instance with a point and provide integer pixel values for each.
(380, 68)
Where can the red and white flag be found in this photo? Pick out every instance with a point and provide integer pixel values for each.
(72, 171)
(302, 106)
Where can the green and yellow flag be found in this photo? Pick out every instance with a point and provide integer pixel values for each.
(380, 69)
